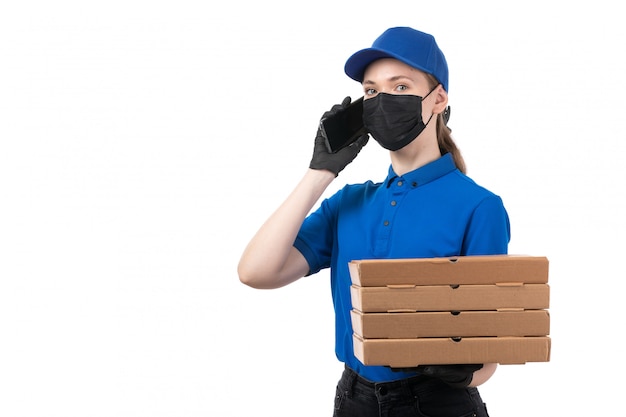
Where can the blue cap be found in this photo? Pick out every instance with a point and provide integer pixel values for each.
(414, 48)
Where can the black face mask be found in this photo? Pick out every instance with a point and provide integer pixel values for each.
(394, 120)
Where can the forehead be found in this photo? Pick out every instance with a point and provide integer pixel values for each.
(387, 68)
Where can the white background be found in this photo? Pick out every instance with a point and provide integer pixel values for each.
(143, 143)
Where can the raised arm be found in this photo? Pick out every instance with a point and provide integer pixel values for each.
(270, 259)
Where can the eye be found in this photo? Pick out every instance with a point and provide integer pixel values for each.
(370, 92)
(402, 87)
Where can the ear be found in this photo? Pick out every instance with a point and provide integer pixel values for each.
(441, 99)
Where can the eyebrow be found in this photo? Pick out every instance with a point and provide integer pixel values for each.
(394, 78)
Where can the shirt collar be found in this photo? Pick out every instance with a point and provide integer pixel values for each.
(427, 173)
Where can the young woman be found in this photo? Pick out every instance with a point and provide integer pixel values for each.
(425, 207)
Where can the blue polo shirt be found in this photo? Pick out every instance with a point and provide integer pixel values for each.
(433, 211)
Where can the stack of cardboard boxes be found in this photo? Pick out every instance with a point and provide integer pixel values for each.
(469, 309)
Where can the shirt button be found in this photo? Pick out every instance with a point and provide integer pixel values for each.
(400, 183)
(386, 223)
(414, 184)
(393, 203)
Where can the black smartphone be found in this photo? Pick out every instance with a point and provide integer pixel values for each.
(344, 127)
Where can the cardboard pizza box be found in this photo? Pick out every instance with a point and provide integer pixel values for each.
(401, 353)
(450, 324)
(410, 298)
(487, 269)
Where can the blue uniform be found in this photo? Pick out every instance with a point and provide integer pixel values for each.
(433, 211)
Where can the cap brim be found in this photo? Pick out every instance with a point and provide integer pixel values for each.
(359, 61)
(356, 64)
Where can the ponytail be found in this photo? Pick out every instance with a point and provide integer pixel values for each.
(447, 145)
(444, 134)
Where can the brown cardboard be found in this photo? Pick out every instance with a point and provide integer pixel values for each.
(448, 298)
(447, 324)
(488, 269)
(399, 353)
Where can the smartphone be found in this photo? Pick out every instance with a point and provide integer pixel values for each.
(344, 127)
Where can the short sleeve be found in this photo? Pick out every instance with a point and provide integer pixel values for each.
(488, 231)
(316, 237)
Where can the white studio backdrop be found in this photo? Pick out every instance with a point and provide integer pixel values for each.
(143, 143)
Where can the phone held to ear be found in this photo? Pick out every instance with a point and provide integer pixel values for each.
(344, 127)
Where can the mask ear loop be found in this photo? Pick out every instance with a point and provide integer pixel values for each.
(429, 119)
(430, 91)
(432, 114)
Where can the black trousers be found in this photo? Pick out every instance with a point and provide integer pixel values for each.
(419, 396)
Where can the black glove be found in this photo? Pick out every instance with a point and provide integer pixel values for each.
(457, 376)
(335, 162)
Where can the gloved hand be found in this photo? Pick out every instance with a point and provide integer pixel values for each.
(335, 162)
(457, 376)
